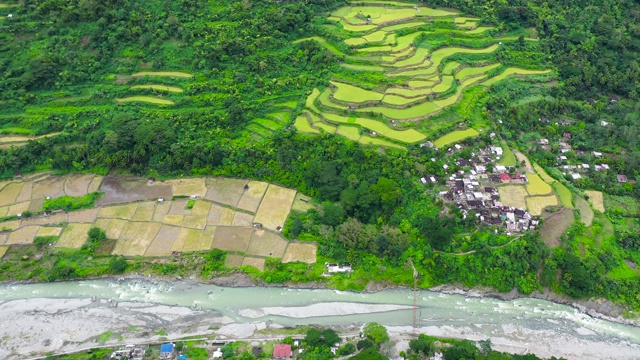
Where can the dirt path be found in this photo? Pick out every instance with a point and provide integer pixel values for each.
(474, 251)
(527, 164)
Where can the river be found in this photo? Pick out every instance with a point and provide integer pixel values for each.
(63, 317)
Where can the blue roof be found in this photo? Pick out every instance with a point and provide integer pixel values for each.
(182, 357)
(166, 348)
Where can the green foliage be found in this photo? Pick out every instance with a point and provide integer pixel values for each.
(346, 349)
(43, 241)
(370, 353)
(190, 204)
(376, 332)
(70, 203)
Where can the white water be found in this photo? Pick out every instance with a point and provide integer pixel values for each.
(523, 322)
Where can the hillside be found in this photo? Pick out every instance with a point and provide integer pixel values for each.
(484, 143)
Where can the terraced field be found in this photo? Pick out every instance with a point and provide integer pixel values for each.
(427, 79)
(130, 212)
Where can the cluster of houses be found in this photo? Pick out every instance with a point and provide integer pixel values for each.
(129, 352)
(474, 193)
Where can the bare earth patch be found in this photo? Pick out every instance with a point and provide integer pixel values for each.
(77, 185)
(242, 219)
(275, 207)
(17, 209)
(136, 238)
(232, 238)
(300, 252)
(144, 211)
(267, 244)
(555, 226)
(188, 187)
(74, 236)
(596, 199)
(36, 205)
(513, 195)
(233, 260)
(120, 190)
(178, 207)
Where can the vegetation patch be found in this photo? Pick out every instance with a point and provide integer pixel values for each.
(70, 203)
(555, 226)
(175, 74)
(508, 157)
(267, 244)
(455, 136)
(622, 205)
(564, 194)
(513, 71)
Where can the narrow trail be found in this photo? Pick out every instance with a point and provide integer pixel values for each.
(474, 251)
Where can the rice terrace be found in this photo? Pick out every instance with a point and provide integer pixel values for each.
(155, 219)
(425, 59)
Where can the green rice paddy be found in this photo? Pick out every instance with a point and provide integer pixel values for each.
(417, 86)
(147, 99)
(159, 87)
(508, 157)
(302, 124)
(455, 136)
(563, 194)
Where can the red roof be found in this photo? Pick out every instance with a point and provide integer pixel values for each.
(281, 351)
(505, 177)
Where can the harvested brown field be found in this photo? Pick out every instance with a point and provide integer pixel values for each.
(192, 241)
(232, 238)
(194, 221)
(4, 210)
(242, 219)
(555, 226)
(226, 218)
(188, 187)
(513, 195)
(586, 213)
(118, 211)
(9, 193)
(84, 216)
(3, 250)
(180, 240)
(266, 243)
(17, 209)
(206, 239)
(46, 220)
(275, 207)
(225, 191)
(535, 204)
(25, 192)
(252, 197)
(10, 225)
(114, 228)
(233, 260)
(300, 205)
(300, 252)
(201, 208)
(144, 211)
(49, 231)
(3, 238)
(73, 236)
(36, 205)
(77, 185)
(596, 199)
(174, 220)
(162, 209)
(23, 235)
(215, 213)
(136, 238)
(257, 263)
(95, 184)
(120, 190)
(163, 242)
(178, 207)
(52, 186)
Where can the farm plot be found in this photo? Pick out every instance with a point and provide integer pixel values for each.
(25, 192)
(508, 157)
(74, 236)
(193, 241)
(36, 205)
(225, 191)
(9, 193)
(51, 186)
(112, 227)
(367, 140)
(144, 211)
(174, 220)
(300, 205)
(563, 194)
(535, 185)
(242, 219)
(136, 238)
(422, 111)
(49, 231)
(350, 132)
(267, 244)
(252, 197)
(535, 204)
(120, 190)
(22, 236)
(188, 187)
(257, 263)
(175, 74)
(474, 71)
(513, 71)
(3, 250)
(19, 208)
(232, 238)
(163, 241)
(194, 221)
(158, 87)
(233, 261)
(146, 99)
(275, 207)
(162, 209)
(595, 199)
(455, 136)
(349, 93)
(77, 185)
(586, 213)
(84, 216)
(555, 226)
(118, 211)
(302, 124)
(300, 252)
(513, 195)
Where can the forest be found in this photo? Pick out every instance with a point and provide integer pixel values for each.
(70, 68)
